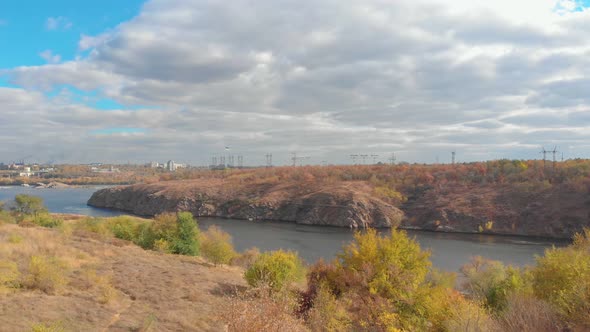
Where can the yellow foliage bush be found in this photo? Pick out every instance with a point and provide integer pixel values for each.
(562, 277)
(275, 270)
(216, 246)
(390, 194)
(9, 274)
(46, 273)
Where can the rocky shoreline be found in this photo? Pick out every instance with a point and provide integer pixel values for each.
(341, 207)
(501, 210)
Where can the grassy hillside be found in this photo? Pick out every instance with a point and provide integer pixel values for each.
(75, 280)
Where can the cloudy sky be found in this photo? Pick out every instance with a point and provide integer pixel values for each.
(119, 81)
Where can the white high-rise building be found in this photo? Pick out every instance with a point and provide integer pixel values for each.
(171, 166)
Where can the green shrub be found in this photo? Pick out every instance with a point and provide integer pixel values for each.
(275, 270)
(94, 225)
(186, 238)
(145, 236)
(29, 205)
(46, 220)
(490, 282)
(216, 246)
(123, 227)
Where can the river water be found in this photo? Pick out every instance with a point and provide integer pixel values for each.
(449, 251)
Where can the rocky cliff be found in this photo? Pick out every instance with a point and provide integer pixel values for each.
(557, 211)
(528, 209)
(349, 204)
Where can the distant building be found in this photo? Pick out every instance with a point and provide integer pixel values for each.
(171, 166)
(109, 170)
(154, 164)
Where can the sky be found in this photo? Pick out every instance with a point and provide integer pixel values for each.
(139, 81)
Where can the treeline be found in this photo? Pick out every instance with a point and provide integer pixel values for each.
(376, 283)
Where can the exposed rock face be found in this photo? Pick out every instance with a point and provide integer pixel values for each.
(557, 212)
(343, 205)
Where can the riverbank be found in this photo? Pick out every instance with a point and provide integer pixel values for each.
(534, 210)
(349, 205)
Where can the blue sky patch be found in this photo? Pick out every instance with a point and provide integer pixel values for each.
(29, 27)
(91, 98)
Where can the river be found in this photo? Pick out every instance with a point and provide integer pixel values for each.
(449, 251)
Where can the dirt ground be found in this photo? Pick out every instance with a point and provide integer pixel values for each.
(112, 285)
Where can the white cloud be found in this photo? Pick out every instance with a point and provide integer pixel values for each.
(326, 78)
(50, 57)
(58, 23)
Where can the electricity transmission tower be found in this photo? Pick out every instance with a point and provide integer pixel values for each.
(374, 156)
(392, 158)
(295, 159)
(354, 158)
(544, 152)
(268, 159)
(240, 161)
(364, 157)
(453, 157)
(554, 151)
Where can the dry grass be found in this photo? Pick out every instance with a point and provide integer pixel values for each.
(108, 284)
(529, 314)
(246, 258)
(256, 310)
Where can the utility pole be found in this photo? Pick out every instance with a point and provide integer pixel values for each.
(240, 161)
(453, 157)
